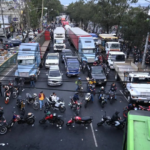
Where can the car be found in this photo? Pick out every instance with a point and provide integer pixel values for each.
(54, 76)
(65, 52)
(72, 66)
(51, 59)
(98, 74)
(15, 41)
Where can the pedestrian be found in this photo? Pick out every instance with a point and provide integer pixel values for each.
(1, 89)
(136, 59)
(41, 99)
(32, 81)
(147, 61)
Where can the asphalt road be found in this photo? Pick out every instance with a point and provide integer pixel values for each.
(44, 137)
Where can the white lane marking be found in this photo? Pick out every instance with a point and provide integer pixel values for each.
(7, 73)
(124, 96)
(95, 141)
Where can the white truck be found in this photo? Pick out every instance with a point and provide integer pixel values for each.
(112, 46)
(59, 39)
(136, 84)
(52, 59)
(66, 30)
(113, 57)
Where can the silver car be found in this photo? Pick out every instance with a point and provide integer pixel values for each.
(54, 76)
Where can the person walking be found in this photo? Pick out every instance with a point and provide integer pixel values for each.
(41, 99)
(32, 81)
(1, 89)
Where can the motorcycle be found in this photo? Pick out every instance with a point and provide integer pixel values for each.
(76, 106)
(80, 90)
(3, 127)
(80, 120)
(32, 100)
(107, 120)
(55, 105)
(15, 93)
(87, 99)
(28, 119)
(111, 97)
(7, 96)
(21, 105)
(84, 66)
(144, 108)
(52, 118)
(102, 99)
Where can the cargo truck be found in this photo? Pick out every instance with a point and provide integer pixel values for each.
(83, 43)
(29, 61)
(95, 38)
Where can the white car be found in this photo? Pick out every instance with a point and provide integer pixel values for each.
(54, 76)
(52, 59)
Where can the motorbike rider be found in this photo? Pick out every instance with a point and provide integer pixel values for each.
(75, 97)
(54, 98)
(78, 83)
(84, 63)
(113, 88)
(115, 118)
(102, 90)
(2, 118)
(91, 90)
(6, 88)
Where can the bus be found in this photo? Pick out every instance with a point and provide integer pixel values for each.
(137, 131)
(108, 42)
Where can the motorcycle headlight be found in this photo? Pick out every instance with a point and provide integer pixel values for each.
(105, 79)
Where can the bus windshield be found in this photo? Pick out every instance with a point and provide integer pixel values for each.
(26, 62)
(117, 57)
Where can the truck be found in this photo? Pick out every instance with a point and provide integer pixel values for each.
(113, 56)
(59, 39)
(136, 133)
(95, 38)
(136, 84)
(66, 27)
(84, 44)
(108, 42)
(29, 61)
(51, 59)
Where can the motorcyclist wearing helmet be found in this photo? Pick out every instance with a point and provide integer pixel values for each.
(78, 83)
(6, 88)
(115, 118)
(113, 88)
(101, 91)
(91, 90)
(75, 97)
(84, 65)
(54, 99)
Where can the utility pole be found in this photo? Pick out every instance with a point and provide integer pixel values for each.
(2, 18)
(144, 55)
(42, 15)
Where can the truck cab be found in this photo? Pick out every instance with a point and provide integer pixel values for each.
(112, 46)
(118, 57)
(59, 39)
(86, 51)
(28, 61)
(138, 87)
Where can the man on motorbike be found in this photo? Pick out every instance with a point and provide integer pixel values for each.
(91, 90)
(75, 97)
(78, 83)
(6, 88)
(54, 99)
(113, 88)
(115, 118)
(102, 90)
(2, 118)
(84, 65)
(11, 84)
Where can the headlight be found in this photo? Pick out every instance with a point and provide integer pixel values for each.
(105, 79)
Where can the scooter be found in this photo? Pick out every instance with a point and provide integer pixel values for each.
(15, 93)
(55, 105)
(32, 100)
(80, 120)
(52, 118)
(29, 119)
(111, 97)
(107, 120)
(87, 99)
(102, 99)
(76, 106)
(7, 96)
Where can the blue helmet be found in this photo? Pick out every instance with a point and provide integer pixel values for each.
(79, 78)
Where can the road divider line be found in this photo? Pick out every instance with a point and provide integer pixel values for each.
(95, 141)
(124, 95)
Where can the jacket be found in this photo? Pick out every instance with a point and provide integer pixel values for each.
(40, 96)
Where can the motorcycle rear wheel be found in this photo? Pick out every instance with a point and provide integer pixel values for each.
(30, 121)
(3, 130)
(60, 122)
(36, 106)
(62, 109)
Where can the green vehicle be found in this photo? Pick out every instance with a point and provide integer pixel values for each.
(137, 131)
